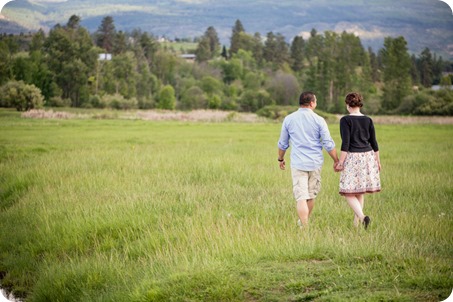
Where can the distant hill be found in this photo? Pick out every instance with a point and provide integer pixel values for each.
(424, 23)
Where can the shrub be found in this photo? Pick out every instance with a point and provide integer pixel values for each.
(276, 112)
(23, 97)
(193, 98)
(117, 101)
(167, 98)
(58, 101)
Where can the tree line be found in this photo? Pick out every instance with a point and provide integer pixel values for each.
(256, 74)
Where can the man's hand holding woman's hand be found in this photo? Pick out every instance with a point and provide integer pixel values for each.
(338, 166)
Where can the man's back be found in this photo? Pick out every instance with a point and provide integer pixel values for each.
(308, 134)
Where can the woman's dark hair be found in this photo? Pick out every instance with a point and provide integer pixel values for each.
(354, 99)
(306, 98)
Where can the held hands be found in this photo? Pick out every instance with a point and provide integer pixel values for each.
(338, 167)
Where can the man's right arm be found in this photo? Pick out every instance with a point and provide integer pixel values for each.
(283, 145)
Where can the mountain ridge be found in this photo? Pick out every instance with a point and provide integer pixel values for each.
(424, 23)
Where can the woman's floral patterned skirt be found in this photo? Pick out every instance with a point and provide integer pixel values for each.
(360, 174)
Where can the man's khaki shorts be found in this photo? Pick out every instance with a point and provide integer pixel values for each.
(306, 184)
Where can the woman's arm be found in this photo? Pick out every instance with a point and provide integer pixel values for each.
(378, 160)
(340, 165)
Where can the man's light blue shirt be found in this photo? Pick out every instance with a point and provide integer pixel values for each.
(307, 133)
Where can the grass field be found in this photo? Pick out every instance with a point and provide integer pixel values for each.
(132, 210)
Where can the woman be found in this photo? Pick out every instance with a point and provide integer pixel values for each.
(359, 160)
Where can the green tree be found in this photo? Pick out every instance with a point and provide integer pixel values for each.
(211, 85)
(232, 70)
(71, 58)
(194, 98)
(149, 46)
(167, 98)
(125, 74)
(257, 49)
(203, 51)
(8, 47)
(396, 72)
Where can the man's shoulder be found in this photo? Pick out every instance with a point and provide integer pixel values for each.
(318, 118)
(291, 116)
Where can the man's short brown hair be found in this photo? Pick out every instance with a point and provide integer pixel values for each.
(306, 98)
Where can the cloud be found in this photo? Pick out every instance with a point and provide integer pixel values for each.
(193, 1)
(356, 29)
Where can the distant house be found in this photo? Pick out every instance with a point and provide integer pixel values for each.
(105, 57)
(188, 57)
(439, 87)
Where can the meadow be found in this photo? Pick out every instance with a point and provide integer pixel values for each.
(133, 210)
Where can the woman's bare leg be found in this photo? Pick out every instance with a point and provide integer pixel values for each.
(356, 206)
(361, 199)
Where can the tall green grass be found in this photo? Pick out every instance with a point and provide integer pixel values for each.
(128, 210)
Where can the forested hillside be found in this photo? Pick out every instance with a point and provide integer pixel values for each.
(423, 23)
(263, 74)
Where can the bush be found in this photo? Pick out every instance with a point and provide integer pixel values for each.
(23, 97)
(117, 101)
(58, 101)
(251, 100)
(167, 98)
(146, 103)
(428, 102)
(276, 112)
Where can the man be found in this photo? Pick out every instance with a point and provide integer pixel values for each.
(308, 134)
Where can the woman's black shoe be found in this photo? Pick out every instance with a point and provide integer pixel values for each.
(366, 222)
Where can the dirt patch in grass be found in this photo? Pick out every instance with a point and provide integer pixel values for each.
(212, 116)
(151, 115)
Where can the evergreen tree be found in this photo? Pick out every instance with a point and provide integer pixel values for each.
(275, 49)
(238, 29)
(149, 46)
(257, 48)
(415, 73)
(438, 67)
(396, 72)
(120, 44)
(426, 68)
(224, 53)
(73, 22)
(297, 53)
(374, 64)
(105, 35)
(270, 47)
(203, 51)
(213, 39)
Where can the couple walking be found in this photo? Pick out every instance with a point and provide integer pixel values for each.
(359, 162)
